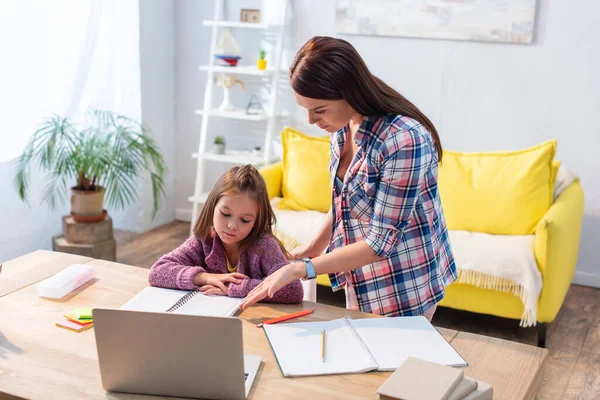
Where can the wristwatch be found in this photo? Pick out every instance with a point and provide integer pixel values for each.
(310, 269)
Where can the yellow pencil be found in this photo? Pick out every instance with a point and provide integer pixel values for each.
(323, 346)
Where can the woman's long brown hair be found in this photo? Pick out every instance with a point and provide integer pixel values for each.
(327, 68)
(240, 180)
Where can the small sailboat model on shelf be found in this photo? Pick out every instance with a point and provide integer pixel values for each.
(227, 50)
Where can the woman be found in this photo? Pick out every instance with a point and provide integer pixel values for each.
(386, 236)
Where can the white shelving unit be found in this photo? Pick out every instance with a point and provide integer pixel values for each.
(242, 70)
(209, 111)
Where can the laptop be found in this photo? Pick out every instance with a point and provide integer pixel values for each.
(173, 354)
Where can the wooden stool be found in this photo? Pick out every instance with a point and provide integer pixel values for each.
(94, 240)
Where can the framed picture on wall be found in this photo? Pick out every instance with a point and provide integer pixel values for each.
(250, 15)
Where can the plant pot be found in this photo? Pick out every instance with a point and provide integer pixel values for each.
(88, 204)
(219, 148)
(261, 64)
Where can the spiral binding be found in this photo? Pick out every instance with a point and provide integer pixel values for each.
(183, 300)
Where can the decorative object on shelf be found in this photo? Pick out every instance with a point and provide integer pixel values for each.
(227, 82)
(250, 15)
(254, 106)
(227, 50)
(256, 151)
(219, 145)
(111, 150)
(261, 63)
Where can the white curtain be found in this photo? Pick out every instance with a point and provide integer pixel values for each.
(59, 56)
(63, 56)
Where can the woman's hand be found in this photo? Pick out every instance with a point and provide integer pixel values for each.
(217, 280)
(303, 251)
(213, 290)
(274, 282)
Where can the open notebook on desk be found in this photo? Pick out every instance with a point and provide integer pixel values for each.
(182, 302)
(357, 345)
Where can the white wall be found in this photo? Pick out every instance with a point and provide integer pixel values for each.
(481, 96)
(192, 44)
(157, 58)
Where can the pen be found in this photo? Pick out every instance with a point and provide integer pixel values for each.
(285, 317)
(323, 346)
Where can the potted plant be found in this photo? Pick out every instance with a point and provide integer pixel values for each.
(261, 63)
(102, 158)
(219, 145)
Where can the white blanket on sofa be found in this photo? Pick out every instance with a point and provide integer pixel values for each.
(502, 263)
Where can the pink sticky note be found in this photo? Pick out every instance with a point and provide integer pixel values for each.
(72, 326)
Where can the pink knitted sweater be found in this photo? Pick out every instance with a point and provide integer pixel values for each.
(177, 269)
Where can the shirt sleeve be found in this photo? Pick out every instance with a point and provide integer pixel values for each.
(271, 259)
(177, 269)
(406, 158)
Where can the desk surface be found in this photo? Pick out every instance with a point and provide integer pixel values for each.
(41, 361)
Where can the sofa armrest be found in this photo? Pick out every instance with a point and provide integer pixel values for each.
(556, 248)
(273, 176)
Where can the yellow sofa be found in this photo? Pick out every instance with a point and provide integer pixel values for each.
(556, 248)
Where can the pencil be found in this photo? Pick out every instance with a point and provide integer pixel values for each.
(285, 317)
(323, 346)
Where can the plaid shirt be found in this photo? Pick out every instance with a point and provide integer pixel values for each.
(390, 200)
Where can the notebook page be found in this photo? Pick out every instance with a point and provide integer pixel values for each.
(297, 347)
(393, 340)
(210, 306)
(155, 299)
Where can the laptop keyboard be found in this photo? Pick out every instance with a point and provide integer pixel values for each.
(246, 376)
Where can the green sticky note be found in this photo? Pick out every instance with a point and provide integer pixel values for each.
(83, 313)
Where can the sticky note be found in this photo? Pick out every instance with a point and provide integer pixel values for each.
(72, 326)
(83, 313)
(73, 318)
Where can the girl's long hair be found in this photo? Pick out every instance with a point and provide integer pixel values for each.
(240, 180)
(328, 68)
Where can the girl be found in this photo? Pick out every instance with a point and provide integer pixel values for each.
(386, 236)
(233, 248)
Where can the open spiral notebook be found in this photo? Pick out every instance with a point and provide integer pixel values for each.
(183, 302)
(357, 345)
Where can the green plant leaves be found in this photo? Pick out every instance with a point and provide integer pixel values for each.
(112, 150)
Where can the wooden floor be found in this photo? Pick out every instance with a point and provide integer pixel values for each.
(573, 366)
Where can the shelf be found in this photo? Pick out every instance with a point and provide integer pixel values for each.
(233, 158)
(236, 24)
(237, 114)
(241, 70)
(241, 114)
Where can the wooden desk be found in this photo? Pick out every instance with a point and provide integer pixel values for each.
(41, 361)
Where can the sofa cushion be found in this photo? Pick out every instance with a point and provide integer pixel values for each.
(299, 226)
(306, 182)
(504, 193)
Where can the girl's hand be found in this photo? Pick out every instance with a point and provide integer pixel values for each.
(274, 282)
(303, 251)
(217, 280)
(213, 290)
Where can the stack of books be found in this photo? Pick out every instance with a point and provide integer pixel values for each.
(78, 321)
(422, 380)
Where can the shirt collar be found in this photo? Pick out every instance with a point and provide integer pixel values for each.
(365, 130)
